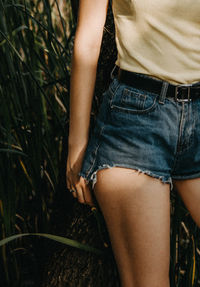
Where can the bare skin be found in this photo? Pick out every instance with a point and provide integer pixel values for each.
(136, 206)
(88, 38)
(189, 191)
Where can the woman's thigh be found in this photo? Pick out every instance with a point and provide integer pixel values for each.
(136, 208)
(189, 190)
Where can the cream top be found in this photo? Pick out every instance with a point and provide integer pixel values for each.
(160, 38)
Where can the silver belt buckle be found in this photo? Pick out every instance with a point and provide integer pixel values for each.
(188, 93)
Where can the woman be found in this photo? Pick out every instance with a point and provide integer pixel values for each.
(147, 132)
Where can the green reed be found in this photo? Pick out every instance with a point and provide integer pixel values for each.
(35, 50)
(185, 246)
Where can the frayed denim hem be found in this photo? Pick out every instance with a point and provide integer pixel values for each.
(93, 176)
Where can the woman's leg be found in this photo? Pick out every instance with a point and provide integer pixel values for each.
(189, 191)
(136, 208)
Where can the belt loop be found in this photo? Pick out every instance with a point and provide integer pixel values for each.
(163, 92)
(111, 74)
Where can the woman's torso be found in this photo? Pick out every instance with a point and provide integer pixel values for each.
(159, 38)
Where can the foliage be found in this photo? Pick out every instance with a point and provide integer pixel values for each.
(185, 246)
(35, 50)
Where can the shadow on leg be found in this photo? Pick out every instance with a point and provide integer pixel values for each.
(189, 191)
(136, 208)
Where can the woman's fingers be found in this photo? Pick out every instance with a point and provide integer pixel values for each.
(70, 187)
(83, 192)
(86, 192)
(88, 197)
(74, 193)
(79, 189)
(79, 192)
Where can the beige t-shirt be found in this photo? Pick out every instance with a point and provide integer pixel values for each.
(160, 38)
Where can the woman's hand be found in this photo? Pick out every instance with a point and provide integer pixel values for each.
(81, 190)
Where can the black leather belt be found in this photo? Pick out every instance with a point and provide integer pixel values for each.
(181, 93)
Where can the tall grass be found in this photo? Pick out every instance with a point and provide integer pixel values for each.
(185, 246)
(35, 50)
(36, 38)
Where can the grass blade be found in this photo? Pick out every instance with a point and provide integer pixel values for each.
(60, 239)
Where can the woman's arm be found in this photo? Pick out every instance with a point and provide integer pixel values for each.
(87, 43)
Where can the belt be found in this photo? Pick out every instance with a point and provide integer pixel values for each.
(181, 93)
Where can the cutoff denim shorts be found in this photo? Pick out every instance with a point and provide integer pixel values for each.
(147, 132)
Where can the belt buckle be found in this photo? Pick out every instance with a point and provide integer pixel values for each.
(188, 99)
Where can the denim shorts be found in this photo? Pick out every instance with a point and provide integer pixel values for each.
(135, 129)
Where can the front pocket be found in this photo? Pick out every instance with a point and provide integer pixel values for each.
(133, 101)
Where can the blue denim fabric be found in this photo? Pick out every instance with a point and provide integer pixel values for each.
(144, 131)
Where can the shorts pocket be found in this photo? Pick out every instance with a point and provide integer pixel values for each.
(131, 100)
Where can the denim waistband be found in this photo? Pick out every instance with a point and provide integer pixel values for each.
(180, 93)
